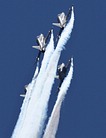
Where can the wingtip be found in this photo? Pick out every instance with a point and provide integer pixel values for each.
(33, 46)
(22, 95)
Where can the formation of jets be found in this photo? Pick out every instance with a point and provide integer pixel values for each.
(41, 40)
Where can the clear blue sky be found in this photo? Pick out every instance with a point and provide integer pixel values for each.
(83, 113)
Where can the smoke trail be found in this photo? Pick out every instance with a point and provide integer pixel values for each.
(25, 104)
(35, 118)
(52, 125)
(48, 53)
(40, 82)
(50, 76)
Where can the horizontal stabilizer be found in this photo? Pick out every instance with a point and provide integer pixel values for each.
(37, 47)
(57, 24)
(22, 95)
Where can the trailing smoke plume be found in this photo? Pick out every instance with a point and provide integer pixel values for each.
(33, 112)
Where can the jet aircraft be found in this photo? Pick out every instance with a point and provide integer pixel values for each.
(42, 42)
(62, 20)
(25, 90)
(62, 71)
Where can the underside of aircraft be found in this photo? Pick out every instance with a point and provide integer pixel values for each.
(62, 72)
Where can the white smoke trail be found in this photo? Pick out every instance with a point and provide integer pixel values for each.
(50, 74)
(48, 53)
(25, 104)
(34, 117)
(40, 82)
(52, 125)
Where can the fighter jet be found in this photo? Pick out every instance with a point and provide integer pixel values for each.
(62, 71)
(62, 20)
(25, 90)
(42, 42)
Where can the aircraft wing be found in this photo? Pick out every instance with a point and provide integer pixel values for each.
(22, 95)
(57, 24)
(36, 47)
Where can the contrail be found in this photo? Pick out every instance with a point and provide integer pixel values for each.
(31, 107)
(50, 74)
(36, 110)
(48, 53)
(25, 104)
(53, 122)
(40, 82)
(19, 125)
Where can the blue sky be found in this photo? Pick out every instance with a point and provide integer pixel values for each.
(83, 113)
